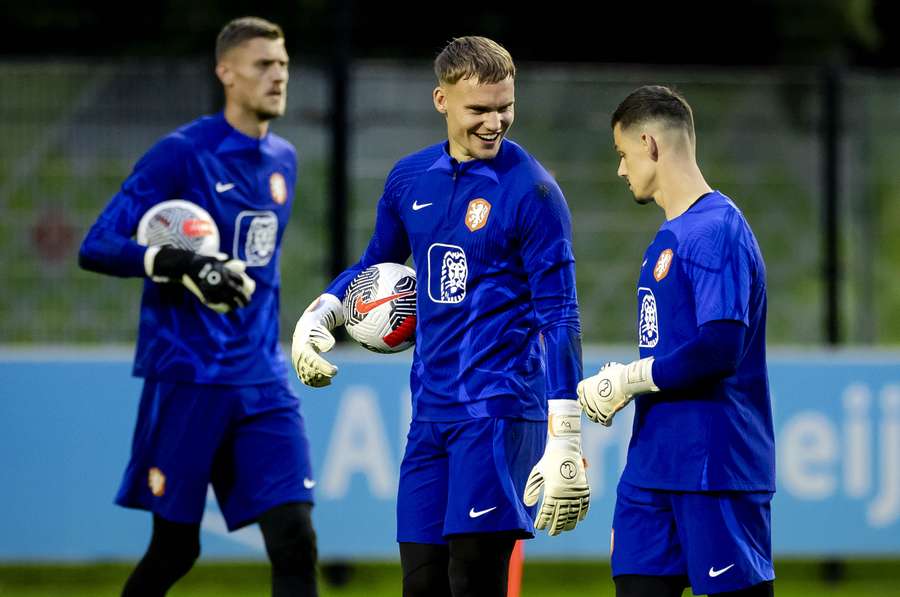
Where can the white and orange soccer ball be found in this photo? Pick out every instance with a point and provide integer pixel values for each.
(380, 307)
(180, 224)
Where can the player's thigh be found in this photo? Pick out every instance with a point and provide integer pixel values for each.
(422, 491)
(726, 538)
(490, 460)
(265, 462)
(425, 569)
(644, 539)
(178, 432)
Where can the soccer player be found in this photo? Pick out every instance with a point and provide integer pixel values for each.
(693, 501)
(216, 406)
(498, 338)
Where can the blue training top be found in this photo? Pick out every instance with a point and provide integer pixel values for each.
(491, 242)
(704, 266)
(247, 186)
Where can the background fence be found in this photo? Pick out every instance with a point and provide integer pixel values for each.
(70, 132)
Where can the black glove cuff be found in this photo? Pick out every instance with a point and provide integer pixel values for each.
(172, 263)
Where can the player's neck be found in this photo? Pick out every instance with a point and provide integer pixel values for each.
(246, 122)
(680, 188)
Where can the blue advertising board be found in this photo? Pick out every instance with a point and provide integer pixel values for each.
(66, 421)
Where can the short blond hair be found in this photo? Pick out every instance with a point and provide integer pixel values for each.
(473, 57)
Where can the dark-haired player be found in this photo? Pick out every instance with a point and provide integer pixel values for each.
(693, 501)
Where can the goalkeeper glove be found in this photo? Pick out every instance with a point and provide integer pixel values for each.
(560, 472)
(220, 284)
(312, 335)
(603, 395)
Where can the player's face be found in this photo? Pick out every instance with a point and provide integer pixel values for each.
(255, 76)
(636, 164)
(478, 116)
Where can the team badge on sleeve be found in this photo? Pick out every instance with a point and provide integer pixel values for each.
(648, 323)
(448, 272)
(477, 214)
(278, 188)
(255, 236)
(661, 269)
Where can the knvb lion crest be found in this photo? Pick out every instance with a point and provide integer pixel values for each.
(448, 272)
(255, 237)
(261, 237)
(648, 322)
(477, 214)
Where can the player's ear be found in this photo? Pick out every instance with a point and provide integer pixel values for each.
(440, 100)
(650, 145)
(223, 72)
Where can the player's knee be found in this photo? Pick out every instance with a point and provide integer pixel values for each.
(290, 539)
(181, 559)
(175, 545)
(479, 564)
(426, 581)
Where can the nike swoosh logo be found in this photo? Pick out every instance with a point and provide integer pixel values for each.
(714, 573)
(364, 307)
(221, 187)
(473, 513)
(309, 483)
(417, 206)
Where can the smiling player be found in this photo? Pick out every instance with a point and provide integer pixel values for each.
(497, 342)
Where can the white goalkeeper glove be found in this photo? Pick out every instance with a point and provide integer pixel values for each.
(603, 395)
(560, 472)
(312, 335)
(220, 283)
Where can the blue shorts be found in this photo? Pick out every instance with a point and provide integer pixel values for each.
(467, 477)
(720, 540)
(249, 442)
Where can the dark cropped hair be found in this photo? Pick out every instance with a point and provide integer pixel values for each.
(240, 30)
(654, 102)
(473, 57)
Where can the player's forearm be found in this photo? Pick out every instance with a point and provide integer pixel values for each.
(713, 354)
(563, 365)
(107, 252)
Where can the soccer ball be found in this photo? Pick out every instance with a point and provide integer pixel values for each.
(180, 224)
(380, 307)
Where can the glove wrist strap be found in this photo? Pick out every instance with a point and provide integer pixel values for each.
(149, 262)
(564, 421)
(326, 311)
(638, 377)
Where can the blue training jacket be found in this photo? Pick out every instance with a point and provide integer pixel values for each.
(247, 186)
(491, 243)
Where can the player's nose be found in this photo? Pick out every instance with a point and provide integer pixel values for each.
(492, 121)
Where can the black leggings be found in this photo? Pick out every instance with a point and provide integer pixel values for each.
(174, 547)
(474, 565)
(634, 585)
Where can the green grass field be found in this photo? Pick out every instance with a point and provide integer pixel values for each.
(542, 579)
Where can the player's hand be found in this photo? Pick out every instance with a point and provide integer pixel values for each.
(312, 336)
(603, 395)
(560, 472)
(220, 283)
